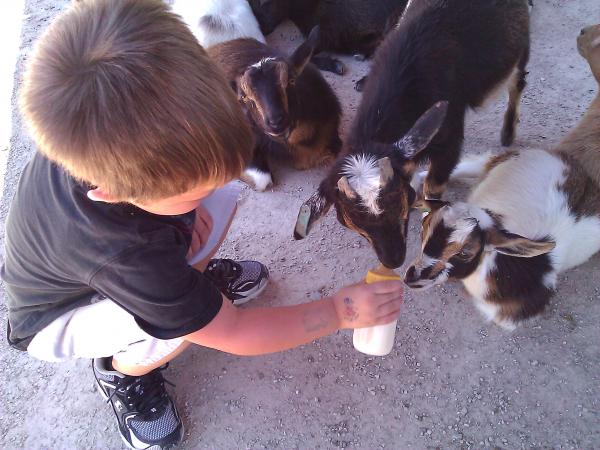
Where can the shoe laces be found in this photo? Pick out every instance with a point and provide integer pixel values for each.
(224, 269)
(145, 393)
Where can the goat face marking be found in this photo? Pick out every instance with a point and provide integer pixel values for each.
(452, 245)
(375, 202)
(362, 178)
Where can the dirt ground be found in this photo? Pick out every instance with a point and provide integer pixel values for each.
(452, 380)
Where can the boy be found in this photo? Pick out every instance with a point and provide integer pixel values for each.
(135, 127)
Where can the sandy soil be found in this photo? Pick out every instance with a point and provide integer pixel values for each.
(452, 380)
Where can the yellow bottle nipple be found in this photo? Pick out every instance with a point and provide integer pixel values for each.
(381, 273)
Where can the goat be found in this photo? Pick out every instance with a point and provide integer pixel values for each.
(216, 21)
(292, 108)
(533, 215)
(347, 26)
(440, 50)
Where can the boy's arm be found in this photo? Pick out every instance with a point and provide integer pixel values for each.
(256, 331)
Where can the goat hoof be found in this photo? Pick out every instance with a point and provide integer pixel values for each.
(433, 192)
(360, 84)
(338, 67)
(329, 64)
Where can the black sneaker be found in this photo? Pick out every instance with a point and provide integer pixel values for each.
(238, 281)
(146, 415)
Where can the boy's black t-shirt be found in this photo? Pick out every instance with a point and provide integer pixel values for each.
(63, 248)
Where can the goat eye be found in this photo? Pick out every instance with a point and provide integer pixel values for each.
(463, 254)
(292, 81)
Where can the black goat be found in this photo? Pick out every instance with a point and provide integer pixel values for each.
(293, 109)
(347, 26)
(452, 50)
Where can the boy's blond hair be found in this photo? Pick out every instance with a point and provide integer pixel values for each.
(120, 94)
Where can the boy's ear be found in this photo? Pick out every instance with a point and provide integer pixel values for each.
(515, 245)
(99, 195)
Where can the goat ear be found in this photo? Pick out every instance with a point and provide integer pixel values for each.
(515, 245)
(423, 131)
(302, 54)
(344, 186)
(310, 212)
(386, 171)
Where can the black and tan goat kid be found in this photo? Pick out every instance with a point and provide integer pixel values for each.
(441, 50)
(293, 109)
(347, 26)
(533, 215)
(216, 21)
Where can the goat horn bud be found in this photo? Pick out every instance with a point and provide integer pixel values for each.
(344, 186)
(386, 171)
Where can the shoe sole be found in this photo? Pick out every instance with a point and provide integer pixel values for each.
(252, 293)
(152, 447)
(100, 390)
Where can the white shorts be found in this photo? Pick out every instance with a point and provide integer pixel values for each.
(105, 329)
(99, 330)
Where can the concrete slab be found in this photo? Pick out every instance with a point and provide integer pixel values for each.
(452, 381)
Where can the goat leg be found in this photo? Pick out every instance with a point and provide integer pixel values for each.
(360, 84)
(269, 14)
(329, 64)
(258, 174)
(440, 169)
(515, 91)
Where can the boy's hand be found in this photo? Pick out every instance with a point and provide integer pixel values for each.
(366, 305)
(202, 228)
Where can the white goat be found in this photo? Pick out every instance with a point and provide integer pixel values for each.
(534, 214)
(216, 21)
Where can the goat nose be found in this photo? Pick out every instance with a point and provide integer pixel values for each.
(276, 121)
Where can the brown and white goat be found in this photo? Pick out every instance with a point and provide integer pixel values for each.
(533, 215)
(292, 108)
(441, 50)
